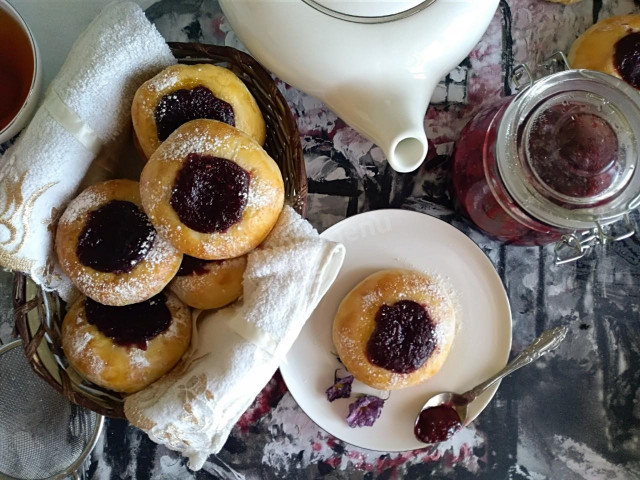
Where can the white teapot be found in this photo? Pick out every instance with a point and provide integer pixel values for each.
(374, 62)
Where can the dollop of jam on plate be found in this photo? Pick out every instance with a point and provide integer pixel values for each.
(131, 325)
(210, 193)
(626, 58)
(437, 424)
(181, 106)
(194, 266)
(403, 339)
(116, 237)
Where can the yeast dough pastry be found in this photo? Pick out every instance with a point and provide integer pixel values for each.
(126, 348)
(611, 46)
(110, 250)
(395, 329)
(206, 284)
(181, 93)
(212, 191)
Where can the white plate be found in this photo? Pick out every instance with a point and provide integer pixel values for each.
(403, 239)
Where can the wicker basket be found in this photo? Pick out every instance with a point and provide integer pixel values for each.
(39, 314)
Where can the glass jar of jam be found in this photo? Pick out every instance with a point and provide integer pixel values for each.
(555, 163)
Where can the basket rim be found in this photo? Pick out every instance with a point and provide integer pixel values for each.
(22, 305)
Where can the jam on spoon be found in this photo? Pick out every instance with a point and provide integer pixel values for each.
(437, 424)
(445, 413)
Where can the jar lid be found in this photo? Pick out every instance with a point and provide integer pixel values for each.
(568, 149)
(369, 11)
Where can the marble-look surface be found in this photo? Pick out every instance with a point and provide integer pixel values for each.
(575, 414)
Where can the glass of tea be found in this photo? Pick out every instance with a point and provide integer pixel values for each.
(20, 72)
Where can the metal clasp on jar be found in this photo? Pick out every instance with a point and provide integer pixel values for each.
(523, 77)
(576, 245)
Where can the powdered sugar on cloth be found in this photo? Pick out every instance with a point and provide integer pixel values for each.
(236, 350)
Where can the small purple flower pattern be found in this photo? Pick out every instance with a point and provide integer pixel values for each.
(364, 411)
(340, 389)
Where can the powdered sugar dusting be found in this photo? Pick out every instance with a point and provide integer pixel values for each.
(82, 334)
(177, 320)
(261, 193)
(181, 144)
(165, 80)
(138, 358)
(96, 365)
(88, 200)
(81, 342)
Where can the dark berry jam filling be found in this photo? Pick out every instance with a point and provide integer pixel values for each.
(131, 325)
(210, 193)
(403, 339)
(116, 237)
(437, 424)
(181, 106)
(573, 152)
(627, 58)
(194, 266)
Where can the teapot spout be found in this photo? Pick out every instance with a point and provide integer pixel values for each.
(407, 151)
(392, 118)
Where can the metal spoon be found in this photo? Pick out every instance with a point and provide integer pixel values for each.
(546, 342)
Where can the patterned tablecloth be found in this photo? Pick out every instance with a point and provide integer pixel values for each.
(574, 415)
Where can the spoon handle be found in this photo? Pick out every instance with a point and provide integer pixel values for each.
(546, 342)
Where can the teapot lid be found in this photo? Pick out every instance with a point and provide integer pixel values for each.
(369, 11)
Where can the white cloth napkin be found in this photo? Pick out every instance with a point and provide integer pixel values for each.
(236, 350)
(84, 116)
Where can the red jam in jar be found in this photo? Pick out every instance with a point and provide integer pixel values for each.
(573, 152)
(475, 152)
(557, 158)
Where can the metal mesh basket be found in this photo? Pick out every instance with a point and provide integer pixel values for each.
(43, 435)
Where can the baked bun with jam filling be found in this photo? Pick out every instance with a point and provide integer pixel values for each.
(611, 46)
(181, 93)
(110, 250)
(207, 284)
(212, 191)
(395, 329)
(126, 348)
